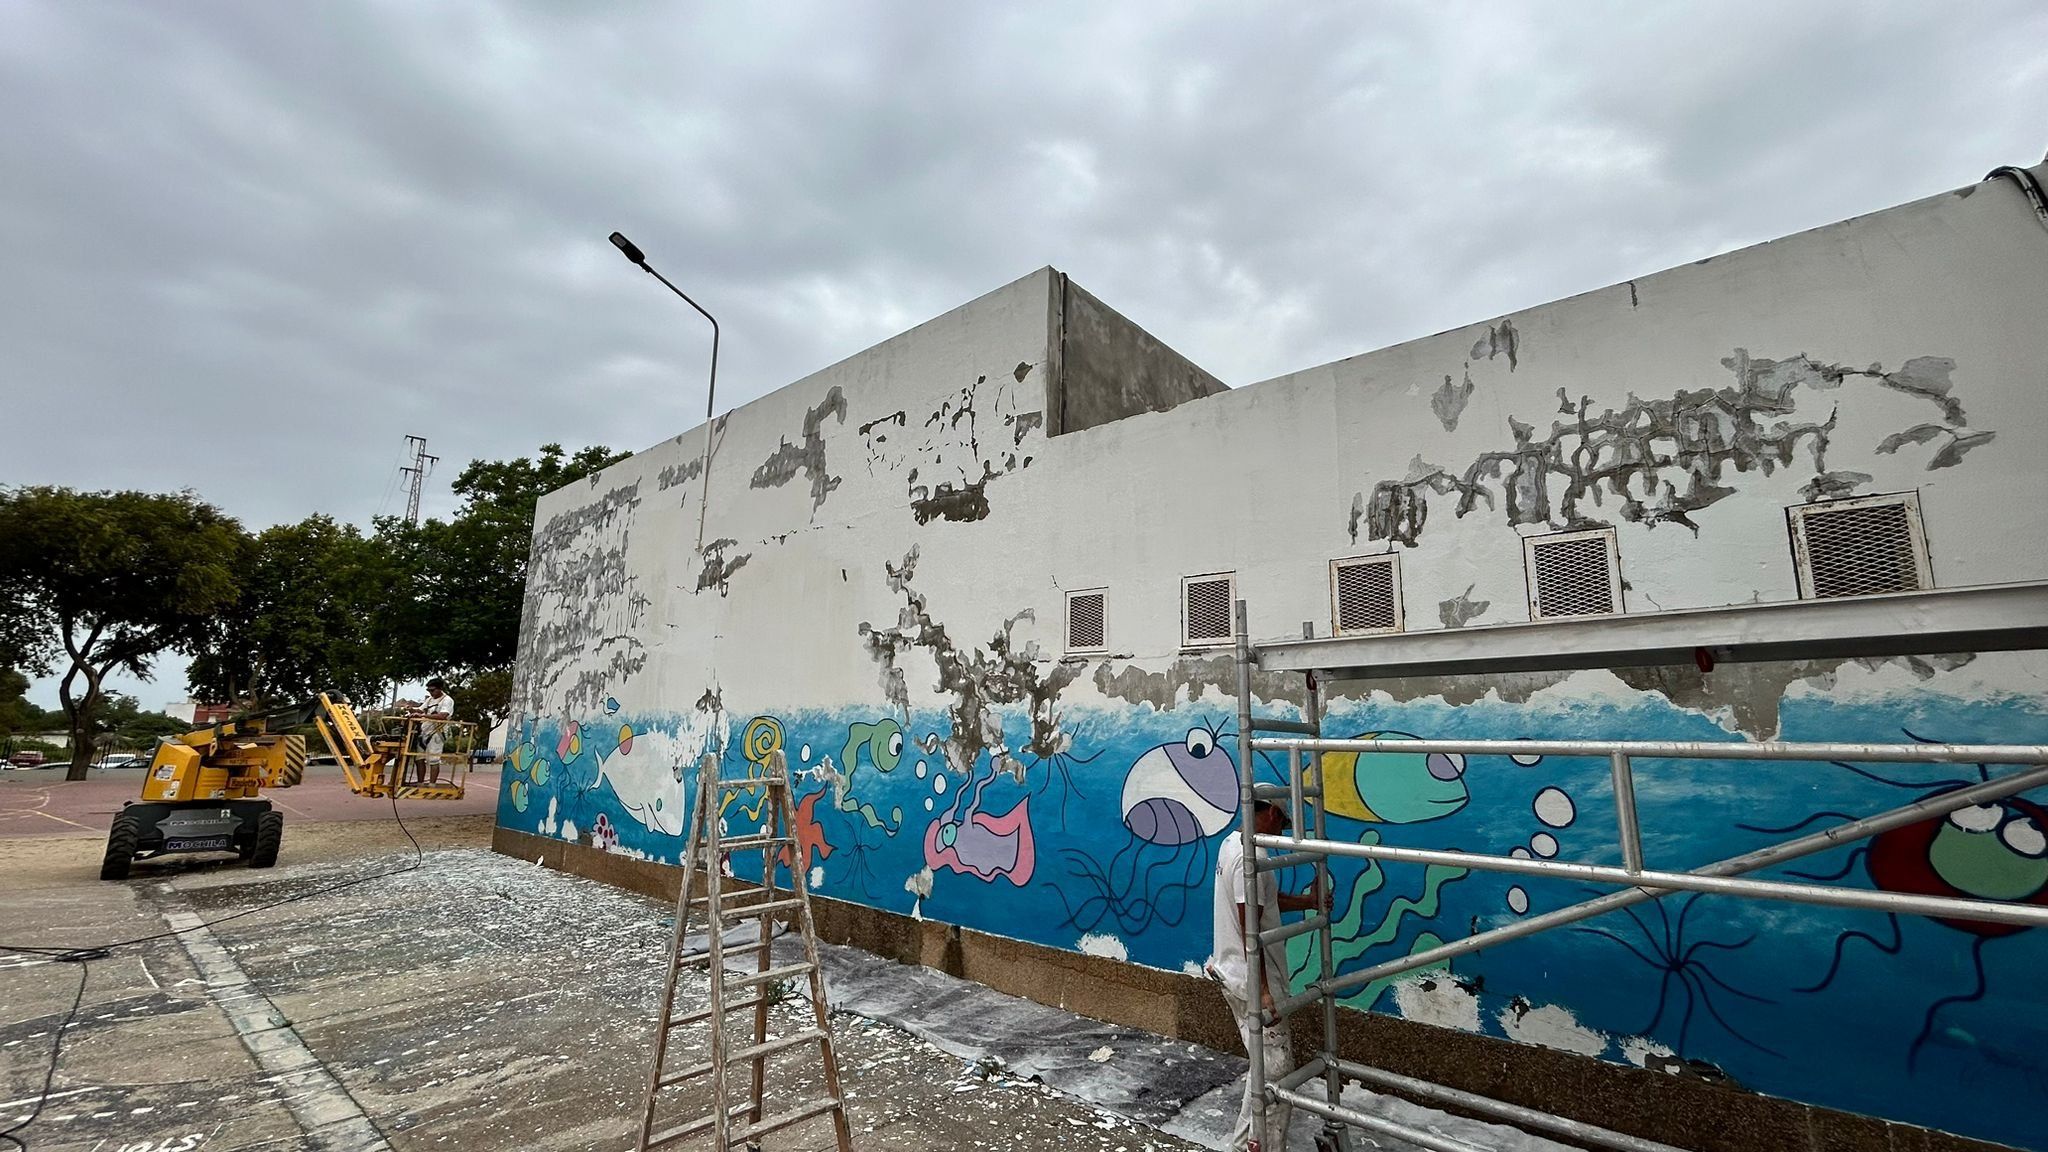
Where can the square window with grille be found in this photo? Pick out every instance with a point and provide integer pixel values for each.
(1365, 595)
(1573, 574)
(1087, 623)
(1859, 547)
(1206, 609)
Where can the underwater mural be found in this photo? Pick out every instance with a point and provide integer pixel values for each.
(1761, 996)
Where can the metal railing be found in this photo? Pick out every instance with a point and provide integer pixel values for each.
(1303, 748)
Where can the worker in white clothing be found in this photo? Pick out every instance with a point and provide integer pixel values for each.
(1228, 967)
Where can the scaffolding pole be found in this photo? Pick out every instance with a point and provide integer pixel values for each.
(1302, 749)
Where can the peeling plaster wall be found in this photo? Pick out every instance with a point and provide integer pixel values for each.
(880, 595)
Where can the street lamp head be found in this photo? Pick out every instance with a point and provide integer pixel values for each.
(633, 253)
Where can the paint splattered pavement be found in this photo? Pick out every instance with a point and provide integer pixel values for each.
(479, 1002)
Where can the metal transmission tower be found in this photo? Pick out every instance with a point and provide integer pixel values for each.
(418, 469)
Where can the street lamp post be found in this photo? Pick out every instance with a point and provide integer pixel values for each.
(634, 254)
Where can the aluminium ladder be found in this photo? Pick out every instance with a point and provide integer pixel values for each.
(736, 1125)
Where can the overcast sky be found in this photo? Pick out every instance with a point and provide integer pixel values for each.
(245, 248)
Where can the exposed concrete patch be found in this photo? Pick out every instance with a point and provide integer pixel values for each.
(717, 572)
(788, 459)
(1834, 485)
(1461, 609)
(949, 441)
(1357, 514)
(979, 680)
(1449, 401)
(1948, 455)
(1187, 678)
(1500, 340)
(1660, 460)
(583, 607)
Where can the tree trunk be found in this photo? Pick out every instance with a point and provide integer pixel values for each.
(78, 713)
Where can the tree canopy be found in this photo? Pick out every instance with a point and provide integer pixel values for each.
(99, 581)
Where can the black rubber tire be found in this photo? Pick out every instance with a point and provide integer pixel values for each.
(269, 837)
(121, 842)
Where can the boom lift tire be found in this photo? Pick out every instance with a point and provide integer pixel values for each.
(120, 848)
(269, 837)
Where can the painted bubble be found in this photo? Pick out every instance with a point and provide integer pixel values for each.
(1555, 808)
(1518, 900)
(803, 754)
(927, 803)
(939, 783)
(1525, 759)
(1544, 844)
(1520, 853)
(921, 769)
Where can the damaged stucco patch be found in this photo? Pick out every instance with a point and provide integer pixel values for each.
(1500, 340)
(1461, 609)
(1744, 698)
(718, 570)
(978, 681)
(788, 459)
(580, 621)
(949, 443)
(1660, 460)
(1948, 455)
(1449, 401)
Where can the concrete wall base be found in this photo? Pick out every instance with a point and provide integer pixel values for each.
(1686, 1113)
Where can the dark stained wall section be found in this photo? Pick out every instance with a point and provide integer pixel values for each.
(1106, 368)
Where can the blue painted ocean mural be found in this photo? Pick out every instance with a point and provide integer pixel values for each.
(1109, 847)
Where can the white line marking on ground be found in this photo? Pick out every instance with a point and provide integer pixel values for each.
(320, 1103)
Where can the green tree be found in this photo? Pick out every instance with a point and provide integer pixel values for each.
(464, 579)
(113, 579)
(306, 622)
(121, 722)
(17, 713)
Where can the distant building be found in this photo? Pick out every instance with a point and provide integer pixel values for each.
(198, 714)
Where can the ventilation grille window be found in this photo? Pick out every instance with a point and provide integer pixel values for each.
(1085, 623)
(1573, 574)
(1205, 608)
(1365, 595)
(1860, 547)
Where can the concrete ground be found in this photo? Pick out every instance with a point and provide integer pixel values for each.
(462, 999)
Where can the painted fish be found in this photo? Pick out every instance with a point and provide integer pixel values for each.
(1394, 787)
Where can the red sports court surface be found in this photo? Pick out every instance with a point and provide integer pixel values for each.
(42, 803)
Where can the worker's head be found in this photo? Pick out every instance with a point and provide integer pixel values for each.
(437, 686)
(1269, 819)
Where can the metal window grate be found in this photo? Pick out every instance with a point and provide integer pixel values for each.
(1205, 608)
(1085, 621)
(1861, 547)
(1365, 595)
(1573, 574)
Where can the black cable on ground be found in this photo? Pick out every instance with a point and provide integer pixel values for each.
(83, 957)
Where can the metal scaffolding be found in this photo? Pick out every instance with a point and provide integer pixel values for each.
(1978, 619)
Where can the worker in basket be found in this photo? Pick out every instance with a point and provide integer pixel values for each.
(430, 735)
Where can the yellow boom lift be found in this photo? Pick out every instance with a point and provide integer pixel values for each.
(203, 792)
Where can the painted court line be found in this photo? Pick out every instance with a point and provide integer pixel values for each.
(330, 1118)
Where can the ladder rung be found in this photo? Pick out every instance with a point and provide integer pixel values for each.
(772, 1123)
(702, 1014)
(753, 1051)
(735, 783)
(724, 953)
(770, 976)
(1274, 724)
(695, 1126)
(743, 844)
(748, 910)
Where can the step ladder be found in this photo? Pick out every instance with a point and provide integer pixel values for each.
(740, 1124)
